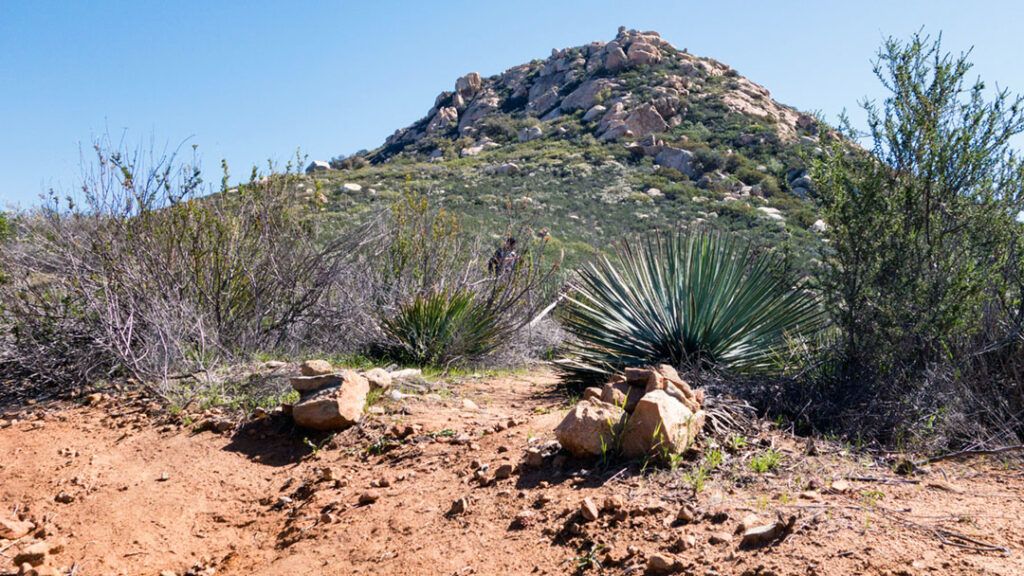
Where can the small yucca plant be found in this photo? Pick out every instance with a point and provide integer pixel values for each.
(443, 328)
(685, 299)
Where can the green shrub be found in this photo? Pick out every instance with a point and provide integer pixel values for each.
(696, 298)
(443, 328)
(924, 239)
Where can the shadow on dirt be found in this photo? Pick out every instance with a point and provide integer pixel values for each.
(273, 442)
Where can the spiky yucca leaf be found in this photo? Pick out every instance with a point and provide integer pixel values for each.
(443, 327)
(691, 298)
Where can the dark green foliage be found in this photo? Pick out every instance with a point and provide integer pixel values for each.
(707, 160)
(923, 230)
(443, 328)
(686, 299)
(924, 242)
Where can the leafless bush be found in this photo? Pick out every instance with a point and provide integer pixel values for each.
(414, 251)
(138, 274)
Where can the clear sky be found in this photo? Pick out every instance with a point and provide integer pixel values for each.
(252, 80)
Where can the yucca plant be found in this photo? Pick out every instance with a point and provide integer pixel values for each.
(687, 299)
(442, 328)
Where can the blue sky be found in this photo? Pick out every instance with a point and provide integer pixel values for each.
(251, 81)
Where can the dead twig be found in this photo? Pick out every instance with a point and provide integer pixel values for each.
(970, 452)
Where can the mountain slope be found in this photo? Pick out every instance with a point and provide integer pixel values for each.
(598, 141)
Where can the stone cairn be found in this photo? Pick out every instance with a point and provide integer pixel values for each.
(642, 412)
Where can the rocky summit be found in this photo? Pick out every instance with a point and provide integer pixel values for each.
(628, 89)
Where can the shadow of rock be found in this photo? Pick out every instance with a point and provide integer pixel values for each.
(274, 441)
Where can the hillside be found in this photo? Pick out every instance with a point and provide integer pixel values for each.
(596, 141)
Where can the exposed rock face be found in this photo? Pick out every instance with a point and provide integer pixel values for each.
(444, 119)
(590, 428)
(317, 166)
(678, 159)
(615, 58)
(335, 407)
(468, 85)
(587, 95)
(530, 133)
(660, 424)
(640, 52)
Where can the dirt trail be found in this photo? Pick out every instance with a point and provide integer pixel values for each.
(125, 493)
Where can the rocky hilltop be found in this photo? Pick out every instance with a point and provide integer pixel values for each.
(632, 89)
(601, 140)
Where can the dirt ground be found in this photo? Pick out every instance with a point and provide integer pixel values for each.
(120, 488)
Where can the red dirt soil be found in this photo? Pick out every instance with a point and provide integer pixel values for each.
(140, 496)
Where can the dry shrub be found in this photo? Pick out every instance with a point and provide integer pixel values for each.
(138, 275)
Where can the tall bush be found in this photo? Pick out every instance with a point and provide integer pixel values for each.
(140, 274)
(924, 232)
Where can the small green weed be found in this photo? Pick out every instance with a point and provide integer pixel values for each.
(766, 461)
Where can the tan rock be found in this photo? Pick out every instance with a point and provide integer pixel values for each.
(334, 408)
(660, 425)
(616, 58)
(591, 428)
(316, 368)
(660, 564)
(34, 554)
(643, 53)
(314, 383)
(666, 378)
(592, 393)
(468, 85)
(12, 529)
(378, 378)
(621, 394)
(589, 511)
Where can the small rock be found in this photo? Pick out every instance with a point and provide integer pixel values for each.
(378, 378)
(613, 503)
(316, 368)
(523, 519)
(406, 374)
(748, 522)
(589, 511)
(720, 538)
(34, 554)
(534, 458)
(164, 477)
(64, 497)
(368, 497)
(658, 564)
(685, 542)
(468, 404)
(686, 515)
(460, 506)
(503, 472)
(840, 486)
(12, 529)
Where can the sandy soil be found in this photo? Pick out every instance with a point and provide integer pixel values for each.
(119, 488)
